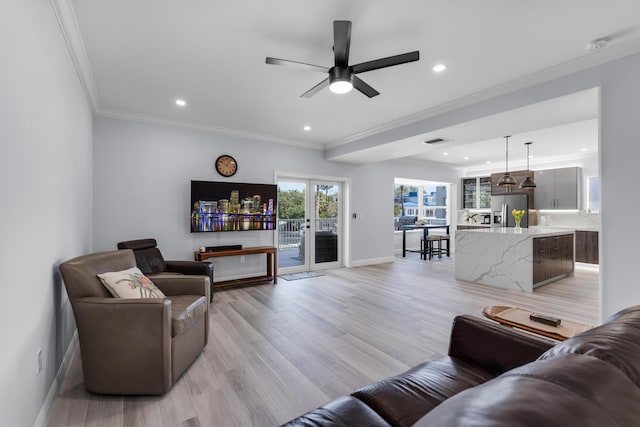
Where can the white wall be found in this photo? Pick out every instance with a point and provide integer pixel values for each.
(143, 173)
(46, 193)
(619, 203)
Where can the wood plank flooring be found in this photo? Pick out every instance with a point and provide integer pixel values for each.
(275, 352)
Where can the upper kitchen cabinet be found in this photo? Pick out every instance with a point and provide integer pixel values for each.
(476, 192)
(558, 188)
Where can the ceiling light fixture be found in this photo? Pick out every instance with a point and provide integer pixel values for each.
(181, 102)
(439, 68)
(307, 128)
(527, 182)
(466, 157)
(597, 44)
(341, 80)
(507, 180)
(445, 154)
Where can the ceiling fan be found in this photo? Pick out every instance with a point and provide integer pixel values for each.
(342, 76)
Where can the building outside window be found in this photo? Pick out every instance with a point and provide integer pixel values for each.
(426, 200)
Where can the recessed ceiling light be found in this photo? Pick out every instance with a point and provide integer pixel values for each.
(488, 162)
(583, 149)
(439, 68)
(467, 157)
(181, 102)
(307, 128)
(445, 154)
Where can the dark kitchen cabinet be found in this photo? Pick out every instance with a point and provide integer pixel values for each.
(558, 188)
(519, 176)
(587, 247)
(567, 266)
(552, 257)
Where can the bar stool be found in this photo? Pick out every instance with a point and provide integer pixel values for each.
(427, 249)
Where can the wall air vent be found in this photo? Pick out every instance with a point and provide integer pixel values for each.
(437, 141)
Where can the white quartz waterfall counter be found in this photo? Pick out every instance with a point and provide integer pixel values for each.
(510, 259)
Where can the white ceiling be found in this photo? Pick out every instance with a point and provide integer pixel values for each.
(137, 57)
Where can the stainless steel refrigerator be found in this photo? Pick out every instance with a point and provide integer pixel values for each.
(501, 207)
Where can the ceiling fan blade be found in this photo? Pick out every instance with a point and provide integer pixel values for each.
(386, 62)
(359, 84)
(317, 88)
(301, 65)
(341, 42)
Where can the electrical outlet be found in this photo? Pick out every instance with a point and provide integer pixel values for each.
(39, 354)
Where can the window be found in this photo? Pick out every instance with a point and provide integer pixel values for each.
(427, 200)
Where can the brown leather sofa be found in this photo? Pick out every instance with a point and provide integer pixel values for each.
(137, 345)
(496, 376)
(151, 262)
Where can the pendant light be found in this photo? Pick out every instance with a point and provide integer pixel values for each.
(527, 182)
(507, 180)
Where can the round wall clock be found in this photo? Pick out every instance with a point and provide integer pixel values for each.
(226, 165)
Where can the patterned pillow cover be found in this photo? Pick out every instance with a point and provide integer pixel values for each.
(130, 283)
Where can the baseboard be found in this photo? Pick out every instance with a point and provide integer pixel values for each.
(371, 261)
(41, 421)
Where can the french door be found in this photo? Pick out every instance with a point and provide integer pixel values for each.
(309, 224)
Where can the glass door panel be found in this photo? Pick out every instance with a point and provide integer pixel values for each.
(485, 193)
(326, 230)
(292, 223)
(469, 189)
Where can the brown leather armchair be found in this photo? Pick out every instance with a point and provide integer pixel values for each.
(151, 262)
(137, 345)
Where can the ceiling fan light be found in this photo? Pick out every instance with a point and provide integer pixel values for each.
(340, 80)
(341, 86)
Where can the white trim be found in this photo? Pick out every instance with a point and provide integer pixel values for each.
(41, 421)
(345, 212)
(372, 261)
(143, 118)
(73, 38)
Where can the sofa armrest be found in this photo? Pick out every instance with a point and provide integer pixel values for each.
(183, 285)
(190, 267)
(133, 335)
(494, 347)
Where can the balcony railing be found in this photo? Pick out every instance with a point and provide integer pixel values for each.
(290, 231)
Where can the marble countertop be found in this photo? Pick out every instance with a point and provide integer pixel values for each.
(534, 231)
(571, 227)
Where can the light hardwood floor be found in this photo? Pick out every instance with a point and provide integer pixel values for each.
(276, 352)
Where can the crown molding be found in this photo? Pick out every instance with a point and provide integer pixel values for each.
(134, 117)
(70, 29)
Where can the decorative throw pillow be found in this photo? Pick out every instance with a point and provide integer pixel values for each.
(130, 283)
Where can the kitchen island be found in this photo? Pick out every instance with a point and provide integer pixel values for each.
(508, 259)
